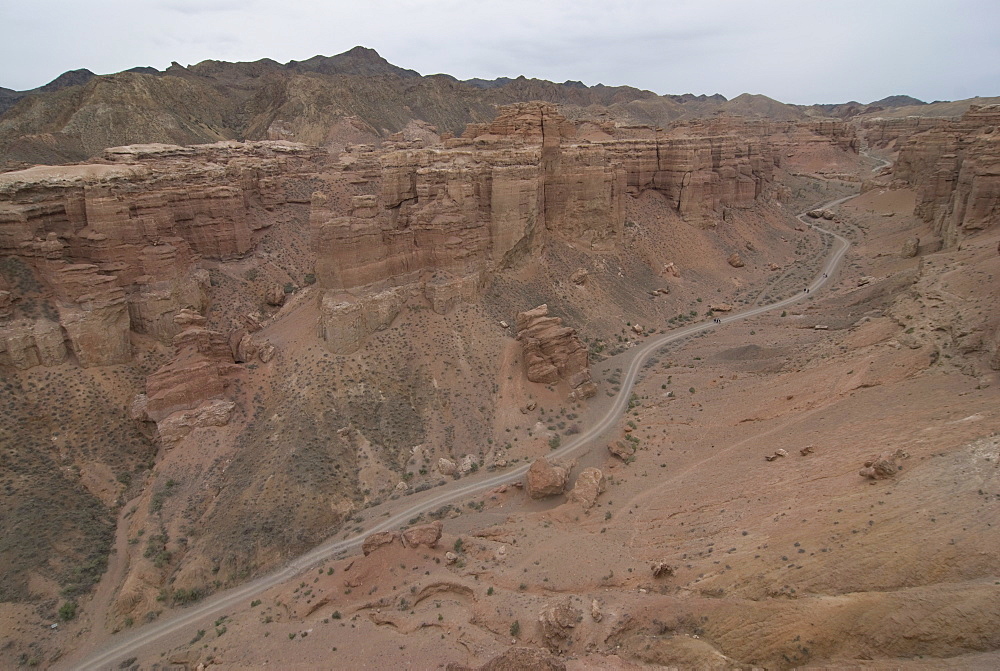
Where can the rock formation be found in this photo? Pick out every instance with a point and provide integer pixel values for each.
(552, 352)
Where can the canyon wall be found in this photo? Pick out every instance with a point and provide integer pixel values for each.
(955, 168)
(436, 221)
(91, 252)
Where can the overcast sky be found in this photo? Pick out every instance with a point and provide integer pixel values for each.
(797, 51)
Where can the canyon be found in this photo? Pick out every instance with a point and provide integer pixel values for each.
(224, 345)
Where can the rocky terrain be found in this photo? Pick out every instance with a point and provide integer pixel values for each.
(217, 353)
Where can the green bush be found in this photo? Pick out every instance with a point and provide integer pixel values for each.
(67, 611)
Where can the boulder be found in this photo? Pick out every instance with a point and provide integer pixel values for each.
(426, 535)
(589, 485)
(662, 569)
(275, 296)
(525, 659)
(735, 261)
(447, 466)
(543, 479)
(557, 623)
(378, 539)
(622, 449)
(883, 465)
(910, 247)
(579, 277)
(552, 352)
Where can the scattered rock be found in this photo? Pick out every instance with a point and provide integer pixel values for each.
(808, 449)
(579, 278)
(910, 247)
(777, 454)
(589, 485)
(426, 535)
(376, 540)
(670, 269)
(773, 266)
(543, 479)
(266, 352)
(735, 261)
(827, 214)
(450, 557)
(720, 307)
(814, 214)
(883, 465)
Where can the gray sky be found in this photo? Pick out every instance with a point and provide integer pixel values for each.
(797, 51)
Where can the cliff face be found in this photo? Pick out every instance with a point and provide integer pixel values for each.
(955, 168)
(437, 221)
(445, 217)
(92, 252)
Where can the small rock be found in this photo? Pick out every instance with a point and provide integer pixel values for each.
(450, 557)
(808, 449)
(579, 278)
(622, 449)
(662, 569)
(595, 610)
(883, 465)
(735, 261)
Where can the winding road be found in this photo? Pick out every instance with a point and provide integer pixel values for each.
(127, 644)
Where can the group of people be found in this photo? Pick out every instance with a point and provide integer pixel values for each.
(716, 320)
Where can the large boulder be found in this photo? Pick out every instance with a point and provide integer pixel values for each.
(589, 485)
(378, 539)
(544, 479)
(552, 352)
(426, 535)
(557, 623)
(910, 247)
(882, 466)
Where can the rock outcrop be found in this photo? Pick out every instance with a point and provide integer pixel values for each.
(544, 479)
(552, 352)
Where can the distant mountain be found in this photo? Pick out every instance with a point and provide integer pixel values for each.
(897, 101)
(356, 96)
(71, 78)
